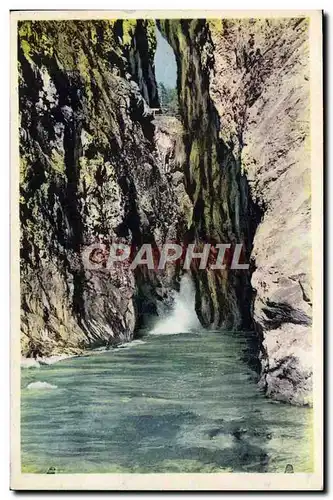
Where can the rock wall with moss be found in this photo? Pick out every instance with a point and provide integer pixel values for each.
(89, 174)
(244, 97)
(222, 209)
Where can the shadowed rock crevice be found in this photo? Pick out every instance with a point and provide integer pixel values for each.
(223, 210)
(283, 313)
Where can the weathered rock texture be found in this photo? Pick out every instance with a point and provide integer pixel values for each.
(264, 108)
(214, 181)
(90, 173)
(244, 96)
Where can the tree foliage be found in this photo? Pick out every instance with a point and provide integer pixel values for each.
(168, 98)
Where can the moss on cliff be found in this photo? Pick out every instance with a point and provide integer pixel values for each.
(129, 26)
(214, 181)
(83, 137)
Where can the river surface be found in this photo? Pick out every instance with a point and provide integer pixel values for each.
(168, 403)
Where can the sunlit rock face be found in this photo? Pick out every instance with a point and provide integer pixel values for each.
(244, 96)
(261, 91)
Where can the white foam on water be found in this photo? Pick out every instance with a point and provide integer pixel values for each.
(50, 360)
(182, 318)
(41, 385)
(132, 343)
(29, 363)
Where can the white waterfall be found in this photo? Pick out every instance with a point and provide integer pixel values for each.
(182, 318)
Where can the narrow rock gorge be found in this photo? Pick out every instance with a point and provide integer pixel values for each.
(97, 166)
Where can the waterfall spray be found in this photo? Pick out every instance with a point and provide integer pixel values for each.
(182, 318)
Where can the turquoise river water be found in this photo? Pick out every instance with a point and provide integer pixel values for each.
(166, 403)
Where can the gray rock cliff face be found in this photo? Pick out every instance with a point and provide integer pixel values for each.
(214, 181)
(261, 91)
